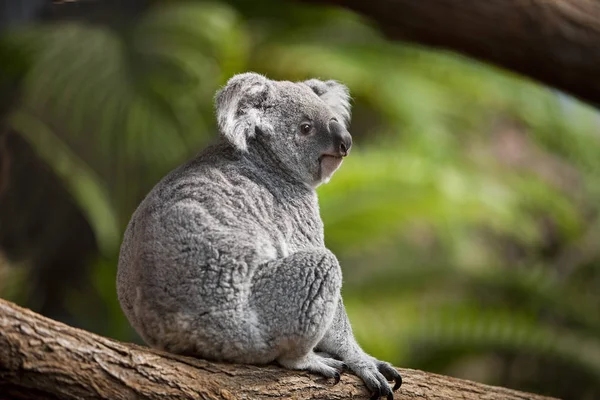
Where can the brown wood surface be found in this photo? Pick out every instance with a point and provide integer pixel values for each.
(556, 42)
(45, 359)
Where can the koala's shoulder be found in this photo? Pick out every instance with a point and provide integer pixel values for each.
(216, 182)
(208, 170)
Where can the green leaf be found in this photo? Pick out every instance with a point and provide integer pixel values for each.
(79, 179)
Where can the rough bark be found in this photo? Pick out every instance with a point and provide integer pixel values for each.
(44, 359)
(552, 41)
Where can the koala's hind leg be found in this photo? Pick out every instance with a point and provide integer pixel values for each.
(295, 299)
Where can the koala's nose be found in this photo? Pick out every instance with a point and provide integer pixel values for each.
(341, 137)
(345, 144)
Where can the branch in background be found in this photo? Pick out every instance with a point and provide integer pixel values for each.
(42, 359)
(552, 41)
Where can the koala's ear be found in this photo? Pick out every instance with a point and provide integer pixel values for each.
(335, 95)
(240, 106)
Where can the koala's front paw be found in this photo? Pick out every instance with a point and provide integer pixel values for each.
(376, 375)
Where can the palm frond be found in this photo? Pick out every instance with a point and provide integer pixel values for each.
(85, 186)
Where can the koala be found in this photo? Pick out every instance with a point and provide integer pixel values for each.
(225, 258)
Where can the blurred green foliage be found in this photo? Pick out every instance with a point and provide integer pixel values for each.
(466, 219)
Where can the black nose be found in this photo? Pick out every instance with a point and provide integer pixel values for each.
(345, 144)
(341, 137)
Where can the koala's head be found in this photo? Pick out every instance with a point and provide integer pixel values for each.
(303, 125)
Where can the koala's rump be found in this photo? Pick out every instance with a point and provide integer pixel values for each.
(193, 282)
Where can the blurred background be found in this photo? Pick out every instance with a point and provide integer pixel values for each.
(466, 219)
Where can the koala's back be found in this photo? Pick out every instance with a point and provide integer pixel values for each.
(193, 245)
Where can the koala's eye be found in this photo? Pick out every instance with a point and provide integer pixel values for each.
(305, 128)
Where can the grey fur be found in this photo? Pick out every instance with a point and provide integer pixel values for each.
(225, 258)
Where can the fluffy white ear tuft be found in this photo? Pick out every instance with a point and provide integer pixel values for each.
(335, 95)
(240, 105)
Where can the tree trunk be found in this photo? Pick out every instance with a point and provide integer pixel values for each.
(44, 359)
(553, 41)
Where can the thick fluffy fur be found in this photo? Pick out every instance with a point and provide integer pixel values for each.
(225, 258)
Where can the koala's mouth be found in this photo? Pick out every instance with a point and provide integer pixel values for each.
(330, 159)
(329, 164)
(324, 156)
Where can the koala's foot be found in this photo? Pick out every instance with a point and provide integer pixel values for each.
(328, 367)
(376, 374)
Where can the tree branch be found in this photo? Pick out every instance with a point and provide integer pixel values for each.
(552, 41)
(44, 359)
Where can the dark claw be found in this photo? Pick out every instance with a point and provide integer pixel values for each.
(337, 378)
(390, 394)
(391, 374)
(345, 367)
